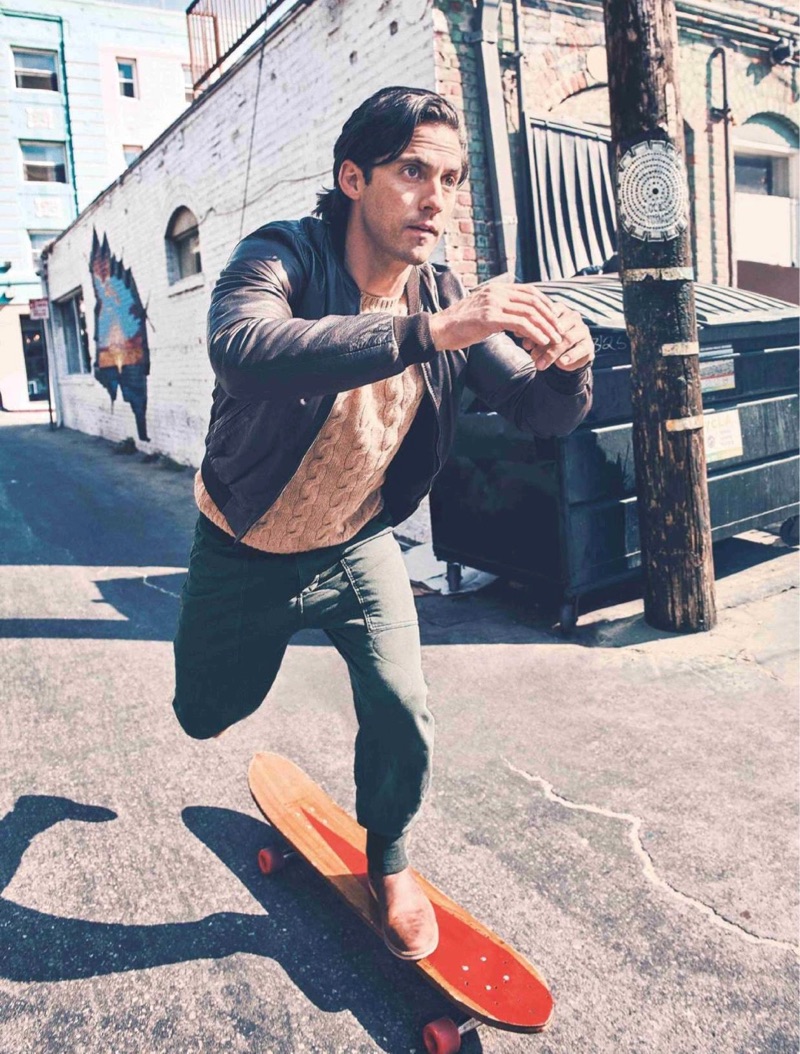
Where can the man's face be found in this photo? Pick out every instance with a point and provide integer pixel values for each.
(403, 210)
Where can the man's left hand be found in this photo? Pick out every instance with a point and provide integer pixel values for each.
(575, 350)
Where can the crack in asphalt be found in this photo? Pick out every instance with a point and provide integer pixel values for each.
(649, 868)
(735, 603)
(745, 656)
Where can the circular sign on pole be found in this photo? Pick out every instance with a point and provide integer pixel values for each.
(653, 195)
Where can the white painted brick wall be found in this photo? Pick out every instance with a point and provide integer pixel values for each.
(313, 74)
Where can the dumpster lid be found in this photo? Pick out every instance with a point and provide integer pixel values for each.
(599, 300)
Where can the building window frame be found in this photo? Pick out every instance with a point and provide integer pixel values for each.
(58, 167)
(772, 143)
(129, 155)
(189, 92)
(128, 85)
(73, 335)
(780, 166)
(21, 71)
(182, 241)
(36, 253)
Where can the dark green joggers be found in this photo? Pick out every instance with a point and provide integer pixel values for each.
(239, 609)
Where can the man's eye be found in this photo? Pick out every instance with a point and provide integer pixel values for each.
(412, 170)
(450, 181)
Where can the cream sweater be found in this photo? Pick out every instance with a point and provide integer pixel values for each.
(337, 487)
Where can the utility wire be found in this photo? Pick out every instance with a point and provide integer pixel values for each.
(253, 125)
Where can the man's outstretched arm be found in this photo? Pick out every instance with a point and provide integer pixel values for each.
(545, 386)
(260, 350)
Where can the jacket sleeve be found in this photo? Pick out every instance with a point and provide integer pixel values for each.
(550, 402)
(259, 349)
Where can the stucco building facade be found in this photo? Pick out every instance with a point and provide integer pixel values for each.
(84, 87)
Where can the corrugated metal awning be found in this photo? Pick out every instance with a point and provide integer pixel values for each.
(574, 220)
(599, 300)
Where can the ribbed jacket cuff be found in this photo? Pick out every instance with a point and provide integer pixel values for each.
(565, 382)
(413, 336)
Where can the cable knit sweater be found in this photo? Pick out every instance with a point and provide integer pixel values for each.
(337, 488)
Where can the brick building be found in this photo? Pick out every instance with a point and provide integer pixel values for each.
(142, 259)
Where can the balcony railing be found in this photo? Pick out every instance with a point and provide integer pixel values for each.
(217, 28)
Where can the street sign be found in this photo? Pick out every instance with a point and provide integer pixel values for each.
(39, 308)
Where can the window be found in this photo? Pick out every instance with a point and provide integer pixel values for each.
(767, 200)
(71, 324)
(44, 162)
(183, 246)
(126, 70)
(761, 174)
(131, 153)
(35, 69)
(38, 241)
(188, 83)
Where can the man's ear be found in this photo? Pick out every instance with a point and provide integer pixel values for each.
(351, 180)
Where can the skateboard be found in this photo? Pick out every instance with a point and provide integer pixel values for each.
(472, 967)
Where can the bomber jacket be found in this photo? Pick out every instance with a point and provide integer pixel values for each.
(285, 337)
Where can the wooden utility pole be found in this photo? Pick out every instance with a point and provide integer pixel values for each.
(658, 296)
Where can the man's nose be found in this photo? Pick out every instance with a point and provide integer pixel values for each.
(434, 196)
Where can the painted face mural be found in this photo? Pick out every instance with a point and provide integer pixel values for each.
(120, 332)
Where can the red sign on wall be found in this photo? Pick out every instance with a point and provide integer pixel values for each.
(39, 308)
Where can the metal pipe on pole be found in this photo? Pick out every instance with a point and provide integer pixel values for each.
(501, 176)
(723, 113)
(652, 199)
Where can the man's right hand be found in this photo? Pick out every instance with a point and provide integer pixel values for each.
(496, 307)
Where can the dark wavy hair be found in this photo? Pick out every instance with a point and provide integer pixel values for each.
(378, 132)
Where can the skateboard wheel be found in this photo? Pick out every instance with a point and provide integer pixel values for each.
(271, 860)
(441, 1037)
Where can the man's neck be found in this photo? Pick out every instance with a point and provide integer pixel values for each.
(373, 275)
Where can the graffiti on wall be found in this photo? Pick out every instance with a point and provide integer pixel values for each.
(120, 332)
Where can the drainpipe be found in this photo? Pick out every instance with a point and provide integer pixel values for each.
(63, 65)
(501, 177)
(53, 388)
(525, 261)
(723, 113)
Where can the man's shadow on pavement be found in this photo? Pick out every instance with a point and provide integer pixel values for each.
(332, 958)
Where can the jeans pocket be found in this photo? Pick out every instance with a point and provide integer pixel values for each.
(378, 575)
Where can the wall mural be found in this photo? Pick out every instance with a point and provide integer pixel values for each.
(120, 332)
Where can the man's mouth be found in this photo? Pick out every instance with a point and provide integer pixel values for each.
(426, 228)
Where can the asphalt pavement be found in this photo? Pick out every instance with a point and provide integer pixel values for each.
(621, 806)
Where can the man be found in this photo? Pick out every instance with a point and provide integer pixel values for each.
(340, 356)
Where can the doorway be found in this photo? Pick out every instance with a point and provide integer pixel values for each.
(34, 348)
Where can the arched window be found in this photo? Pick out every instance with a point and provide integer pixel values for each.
(766, 156)
(767, 173)
(183, 245)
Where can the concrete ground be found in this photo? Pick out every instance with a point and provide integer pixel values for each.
(621, 806)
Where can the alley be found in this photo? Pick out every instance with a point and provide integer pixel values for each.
(620, 806)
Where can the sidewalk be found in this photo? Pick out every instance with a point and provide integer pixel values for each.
(621, 806)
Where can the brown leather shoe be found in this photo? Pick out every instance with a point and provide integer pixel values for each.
(410, 930)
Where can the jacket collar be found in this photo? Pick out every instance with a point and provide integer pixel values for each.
(414, 291)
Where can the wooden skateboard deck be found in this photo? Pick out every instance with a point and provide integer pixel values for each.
(477, 971)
